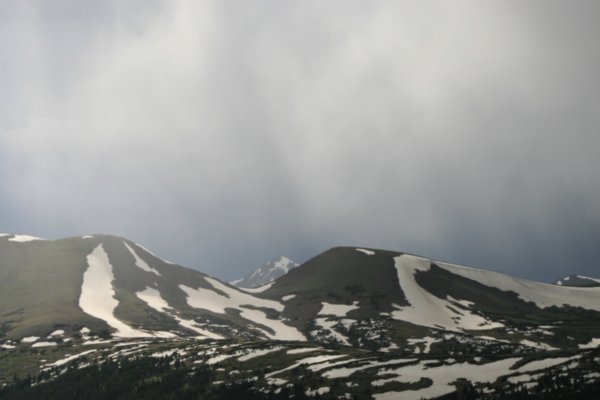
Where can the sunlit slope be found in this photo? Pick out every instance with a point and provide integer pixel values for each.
(110, 284)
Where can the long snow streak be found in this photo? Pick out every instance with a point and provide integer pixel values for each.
(543, 295)
(245, 303)
(153, 298)
(97, 294)
(425, 309)
(141, 263)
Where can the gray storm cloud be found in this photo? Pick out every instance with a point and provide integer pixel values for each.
(223, 133)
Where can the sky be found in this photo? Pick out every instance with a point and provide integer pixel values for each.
(221, 134)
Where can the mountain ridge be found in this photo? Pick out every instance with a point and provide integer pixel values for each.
(354, 322)
(348, 295)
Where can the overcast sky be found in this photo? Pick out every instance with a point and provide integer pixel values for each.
(221, 134)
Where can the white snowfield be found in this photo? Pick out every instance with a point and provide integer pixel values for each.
(141, 263)
(345, 372)
(258, 353)
(543, 364)
(339, 310)
(307, 361)
(210, 300)
(367, 252)
(542, 294)
(425, 341)
(441, 376)
(304, 350)
(97, 294)
(43, 344)
(425, 309)
(537, 345)
(153, 298)
(595, 342)
(69, 358)
(24, 238)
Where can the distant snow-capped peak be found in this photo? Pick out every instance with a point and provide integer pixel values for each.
(266, 273)
(20, 238)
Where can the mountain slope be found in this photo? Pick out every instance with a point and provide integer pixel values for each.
(377, 299)
(266, 273)
(349, 323)
(106, 283)
(395, 299)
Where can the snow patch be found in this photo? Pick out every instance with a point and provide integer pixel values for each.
(288, 297)
(339, 310)
(153, 298)
(307, 361)
(153, 254)
(258, 353)
(97, 294)
(542, 364)
(595, 342)
(24, 238)
(328, 325)
(428, 310)
(219, 358)
(29, 339)
(141, 263)
(542, 294)
(537, 345)
(442, 378)
(588, 278)
(69, 358)
(303, 350)
(346, 372)
(367, 252)
(58, 332)
(426, 341)
(259, 289)
(43, 344)
(210, 300)
(321, 390)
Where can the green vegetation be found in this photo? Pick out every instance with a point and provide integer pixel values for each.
(144, 378)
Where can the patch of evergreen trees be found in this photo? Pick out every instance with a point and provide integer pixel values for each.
(145, 378)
